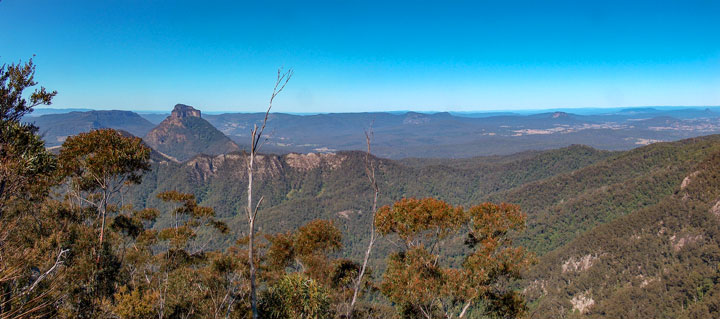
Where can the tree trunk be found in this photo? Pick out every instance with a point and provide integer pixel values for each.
(103, 207)
(255, 142)
(251, 243)
(104, 212)
(370, 171)
(365, 260)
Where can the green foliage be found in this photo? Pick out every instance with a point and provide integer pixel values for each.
(96, 159)
(421, 284)
(295, 296)
(410, 217)
(14, 80)
(167, 275)
(307, 249)
(26, 168)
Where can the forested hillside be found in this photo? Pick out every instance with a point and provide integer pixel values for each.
(572, 196)
(660, 260)
(301, 187)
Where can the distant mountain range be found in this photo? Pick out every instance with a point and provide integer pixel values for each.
(411, 134)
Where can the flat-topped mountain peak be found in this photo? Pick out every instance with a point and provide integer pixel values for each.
(183, 111)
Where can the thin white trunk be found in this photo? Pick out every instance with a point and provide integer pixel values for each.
(103, 207)
(255, 143)
(467, 306)
(370, 171)
(251, 243)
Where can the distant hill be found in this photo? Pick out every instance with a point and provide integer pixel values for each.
(156, 157)
(55, 128)
(185, 134)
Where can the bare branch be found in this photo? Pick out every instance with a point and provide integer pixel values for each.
(282, 80)
(58, 262)
(467, 305)
(257, 207)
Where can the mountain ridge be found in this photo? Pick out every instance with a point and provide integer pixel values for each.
(431, 135)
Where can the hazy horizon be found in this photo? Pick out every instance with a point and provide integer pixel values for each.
(578, 110)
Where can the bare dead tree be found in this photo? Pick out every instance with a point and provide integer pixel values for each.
(256, 142)
(370, 172)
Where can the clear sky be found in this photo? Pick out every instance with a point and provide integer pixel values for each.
(368, 55)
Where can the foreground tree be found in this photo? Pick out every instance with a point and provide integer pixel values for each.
(423, 284)
(256, 141)
(29, 261)
(95, 166)
(23, 159)
(100, 164)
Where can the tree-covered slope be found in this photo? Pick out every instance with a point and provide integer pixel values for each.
(298, 188)
(659, 261)
(563, 206)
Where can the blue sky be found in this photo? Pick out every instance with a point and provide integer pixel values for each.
(369, 55)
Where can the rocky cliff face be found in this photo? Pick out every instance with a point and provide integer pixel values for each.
(183, 111)
(233, 165)
(184, 134)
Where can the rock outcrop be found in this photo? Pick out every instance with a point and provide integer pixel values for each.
(183, 111)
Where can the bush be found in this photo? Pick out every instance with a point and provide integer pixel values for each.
(295, 296)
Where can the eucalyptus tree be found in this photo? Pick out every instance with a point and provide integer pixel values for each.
(99, 164)
(423, 284)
